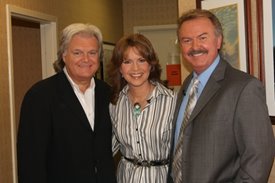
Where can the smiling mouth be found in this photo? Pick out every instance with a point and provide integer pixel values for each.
(84, 65)
(196, 53)
(136, 76)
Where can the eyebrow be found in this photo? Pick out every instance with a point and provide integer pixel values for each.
(202, 34)
(79, 49)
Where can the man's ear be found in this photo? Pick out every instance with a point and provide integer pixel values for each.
(219, 42)
(63, 56)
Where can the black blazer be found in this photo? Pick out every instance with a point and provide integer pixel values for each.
(55, 141)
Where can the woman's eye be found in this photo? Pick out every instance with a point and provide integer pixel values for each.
(125, 61)
(142, 60)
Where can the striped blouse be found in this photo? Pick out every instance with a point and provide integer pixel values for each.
(146, 137)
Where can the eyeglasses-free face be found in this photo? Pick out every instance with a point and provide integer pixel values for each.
(199, 43)
(82, 58)
(134, 68)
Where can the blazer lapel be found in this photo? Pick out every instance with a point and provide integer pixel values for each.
(210, 89)
(98, 97)
(102, 99)
(69, 98)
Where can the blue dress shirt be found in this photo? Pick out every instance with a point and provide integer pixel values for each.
(203, 78)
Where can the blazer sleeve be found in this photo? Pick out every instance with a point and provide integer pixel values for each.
(33, 137)
(254, 135)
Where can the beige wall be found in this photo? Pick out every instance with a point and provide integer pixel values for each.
(148, 12)
(106, 14)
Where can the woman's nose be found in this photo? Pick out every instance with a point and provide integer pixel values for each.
(135, 65)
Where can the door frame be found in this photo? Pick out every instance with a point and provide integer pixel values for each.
(48, 34)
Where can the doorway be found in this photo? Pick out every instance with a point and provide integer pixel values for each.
(32, 48)
(164, 41)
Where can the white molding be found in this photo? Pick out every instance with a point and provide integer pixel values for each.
(48, 52)
(268, 56)
(48, 48)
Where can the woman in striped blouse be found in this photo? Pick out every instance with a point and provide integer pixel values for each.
(141, 111)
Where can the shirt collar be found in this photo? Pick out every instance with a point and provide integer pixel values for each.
(74, 85)
(205, 75)
(159, 90)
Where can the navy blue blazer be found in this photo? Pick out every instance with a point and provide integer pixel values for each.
(55, 141)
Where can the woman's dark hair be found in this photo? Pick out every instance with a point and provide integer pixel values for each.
(145, 49)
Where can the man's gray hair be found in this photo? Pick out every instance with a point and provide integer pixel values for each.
(68, 33)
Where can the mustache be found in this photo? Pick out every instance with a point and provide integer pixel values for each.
(193, 52)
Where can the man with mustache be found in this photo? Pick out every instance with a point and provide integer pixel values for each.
(227, 135)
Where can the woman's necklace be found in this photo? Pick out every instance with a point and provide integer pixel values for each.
(137, 109)
(138, 105)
